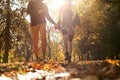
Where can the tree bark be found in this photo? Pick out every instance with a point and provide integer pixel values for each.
(7, 34)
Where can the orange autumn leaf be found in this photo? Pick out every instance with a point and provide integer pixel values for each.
(36, 66)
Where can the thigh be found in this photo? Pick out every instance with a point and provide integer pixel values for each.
(43, 31)
(71, 33)
(35, 32)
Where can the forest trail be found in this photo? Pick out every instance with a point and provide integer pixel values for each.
(83, 70)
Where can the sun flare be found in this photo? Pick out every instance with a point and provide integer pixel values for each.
(55, 4)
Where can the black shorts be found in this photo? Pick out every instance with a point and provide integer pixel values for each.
(65, 32)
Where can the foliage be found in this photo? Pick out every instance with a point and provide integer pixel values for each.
(19, 29)
(99, 30)
(111, 30)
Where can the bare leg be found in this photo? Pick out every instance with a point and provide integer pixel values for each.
(71, 34)
(65, 39)
(70, 47)
(35, 36)
(43, 39)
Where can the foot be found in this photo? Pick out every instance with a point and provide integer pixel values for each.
(66, 56)
(38, 59)
(69, 59)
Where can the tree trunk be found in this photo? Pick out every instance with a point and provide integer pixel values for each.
(49, 49)
(7, 34)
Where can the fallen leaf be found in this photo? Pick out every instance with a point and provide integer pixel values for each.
(60, 69)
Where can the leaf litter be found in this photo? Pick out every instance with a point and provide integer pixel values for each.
(83, 70)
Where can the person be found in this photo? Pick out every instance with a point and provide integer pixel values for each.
(67, 22)
(38, 13)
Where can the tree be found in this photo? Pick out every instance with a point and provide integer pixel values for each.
(7, 32)
(111, 30)
(99, 33)
(14, 29)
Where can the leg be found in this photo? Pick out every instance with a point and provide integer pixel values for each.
(65, 39)
(43, 39)
(70, 50)
(35, 37)
(70, 43)
(71, 35)
(70, 47)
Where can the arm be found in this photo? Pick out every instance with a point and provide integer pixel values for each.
(76, 20)
(58, 23)
(48, 16)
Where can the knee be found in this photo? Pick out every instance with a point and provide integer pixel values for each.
(64, 32)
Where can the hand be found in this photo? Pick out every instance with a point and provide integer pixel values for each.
(55, 26)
